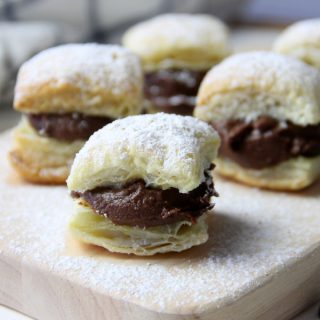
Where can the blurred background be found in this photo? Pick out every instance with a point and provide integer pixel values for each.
(29, 26)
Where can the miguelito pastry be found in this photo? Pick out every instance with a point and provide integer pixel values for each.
(266, 108)
(143, 184)
(176, 51)
(65, 94)
(301, 40)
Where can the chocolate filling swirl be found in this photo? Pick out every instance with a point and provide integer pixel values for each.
(266, 141)
(173, 91)
(135, 204)
(69, 127)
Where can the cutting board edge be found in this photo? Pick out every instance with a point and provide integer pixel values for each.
(30, 281)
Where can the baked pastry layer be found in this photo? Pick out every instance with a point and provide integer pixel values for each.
(91, 228)
(92, 79)
(294, 174)
(301, 40)
(41, 159)
(166, 151)
(248, 85)
(179, 41)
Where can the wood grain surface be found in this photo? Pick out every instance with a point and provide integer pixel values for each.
(262, 261)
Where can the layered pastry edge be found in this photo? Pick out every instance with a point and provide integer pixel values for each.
(91, 79)
(147, 217)
(123, 224)
(41, 159)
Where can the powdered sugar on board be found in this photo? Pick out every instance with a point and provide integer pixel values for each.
(253, 235)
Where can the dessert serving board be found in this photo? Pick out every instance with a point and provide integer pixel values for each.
(262, 260)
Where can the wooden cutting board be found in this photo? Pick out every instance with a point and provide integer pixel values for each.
(262, 261)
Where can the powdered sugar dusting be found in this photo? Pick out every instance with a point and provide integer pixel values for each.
(164, 150)
(251, 84)
(169, 37)
(302, 33)
(193, 29)
(253, 235)
(103, 66)
(266, 69)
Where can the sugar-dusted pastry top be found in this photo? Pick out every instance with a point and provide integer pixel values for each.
(179, 40)
(248, 85)
(164, 150)
(301, 40)
(94, 79)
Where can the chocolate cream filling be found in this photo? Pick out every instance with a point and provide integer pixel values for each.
(135, 204)
(266, 141)
(173, 91)
(70, 126)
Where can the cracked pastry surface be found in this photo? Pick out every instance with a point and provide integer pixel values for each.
(41, 159)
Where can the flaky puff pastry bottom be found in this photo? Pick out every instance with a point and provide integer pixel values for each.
(91, 228)
(40, 159)
(291, 175)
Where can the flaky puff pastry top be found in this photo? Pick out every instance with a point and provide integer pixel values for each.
(179, 41)
(162, 149)
(93, 79)
(248, 85)
(301, 40)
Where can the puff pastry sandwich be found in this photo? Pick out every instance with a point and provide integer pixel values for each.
(301, 40)
(143, 184)
(266, 108)
(176, 51)
(65, 94)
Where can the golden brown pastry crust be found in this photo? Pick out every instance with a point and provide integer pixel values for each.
(92, 79)
(40, 159)
(34, 172)
(291, 175)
